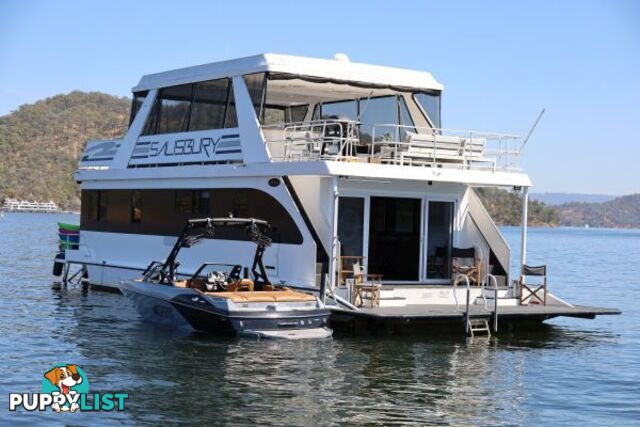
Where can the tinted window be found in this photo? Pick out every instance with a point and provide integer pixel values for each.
(91, 205)
(175, 103)
(138, 99)
(378, 111)
(231, 119)
(96, 204)
(342, 109)
(209, 104)
(405, 119)
(136, 207)
(273, 115)
(430, 104)
(297, 113)
(256, 85)
(184, 201)
(160, 206)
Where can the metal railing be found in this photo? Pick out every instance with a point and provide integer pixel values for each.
(467, 316)
(344, 140)
(314, 140)
(484, 283)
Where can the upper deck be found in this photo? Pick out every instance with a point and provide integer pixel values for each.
(278, 113)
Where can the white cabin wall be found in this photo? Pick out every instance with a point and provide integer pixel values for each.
(316, 195)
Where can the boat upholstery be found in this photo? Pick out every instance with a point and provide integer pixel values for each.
(287, 295)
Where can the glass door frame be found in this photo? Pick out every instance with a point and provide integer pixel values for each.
(424, 212)
(365, 222)
(425, 234)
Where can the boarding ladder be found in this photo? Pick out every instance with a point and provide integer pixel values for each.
(479, 323)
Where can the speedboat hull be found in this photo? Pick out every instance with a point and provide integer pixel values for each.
(187, 308)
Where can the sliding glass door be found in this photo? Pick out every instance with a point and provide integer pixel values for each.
(394, 238)
(439, 239)
(351, 225)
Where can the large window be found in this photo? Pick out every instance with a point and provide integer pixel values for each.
(192, 202)
(209, 104)
(372, 112)
(378, 111)
(275, 114)
(175, 106)
(167, 211)
(430, 105)
(191, 107)
(340, 109)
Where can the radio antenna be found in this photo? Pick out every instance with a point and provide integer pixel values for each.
(531, 130)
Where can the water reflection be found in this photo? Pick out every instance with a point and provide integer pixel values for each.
(176, 376)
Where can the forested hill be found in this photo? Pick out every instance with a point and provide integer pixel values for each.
(621, 212)
(40, 143)
(505, 208)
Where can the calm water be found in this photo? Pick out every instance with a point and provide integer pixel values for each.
(574, 372)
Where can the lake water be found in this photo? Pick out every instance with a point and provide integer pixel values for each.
(573, 372)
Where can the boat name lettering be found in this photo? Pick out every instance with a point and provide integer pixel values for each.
(183, 147)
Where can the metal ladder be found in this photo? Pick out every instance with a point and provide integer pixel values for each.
(479, 323)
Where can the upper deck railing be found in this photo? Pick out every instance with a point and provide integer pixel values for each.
(342, 140)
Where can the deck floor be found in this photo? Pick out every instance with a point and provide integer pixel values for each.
(444, 311)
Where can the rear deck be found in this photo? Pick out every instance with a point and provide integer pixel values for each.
(439, 318)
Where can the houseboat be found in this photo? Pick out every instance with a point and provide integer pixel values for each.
(371, 201)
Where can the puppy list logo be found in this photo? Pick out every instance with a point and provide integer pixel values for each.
(65, 388)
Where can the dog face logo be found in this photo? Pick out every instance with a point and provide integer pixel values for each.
(65, 388)
(65, 381)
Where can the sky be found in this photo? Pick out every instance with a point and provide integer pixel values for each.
(500, 62)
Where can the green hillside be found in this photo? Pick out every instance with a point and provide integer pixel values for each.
(621, 212)
(40, 143)
(505, 208)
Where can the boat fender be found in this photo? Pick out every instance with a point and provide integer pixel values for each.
(58, 264)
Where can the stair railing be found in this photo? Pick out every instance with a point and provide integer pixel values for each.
(484, 282)
(458, 278)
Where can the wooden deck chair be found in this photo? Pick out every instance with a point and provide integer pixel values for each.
(533, 290)
(472, 268)
(366, 285)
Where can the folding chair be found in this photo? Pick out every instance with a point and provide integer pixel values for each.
(472, 271)
(533, 290)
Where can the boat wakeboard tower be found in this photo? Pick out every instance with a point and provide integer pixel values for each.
(238, 301)
(198, 229)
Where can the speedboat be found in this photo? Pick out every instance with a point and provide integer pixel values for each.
(226, 299)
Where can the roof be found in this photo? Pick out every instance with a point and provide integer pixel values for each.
(336, 70)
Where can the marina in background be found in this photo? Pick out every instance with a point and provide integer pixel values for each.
(14, 205)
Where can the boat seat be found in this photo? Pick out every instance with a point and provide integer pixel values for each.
(263, 296)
